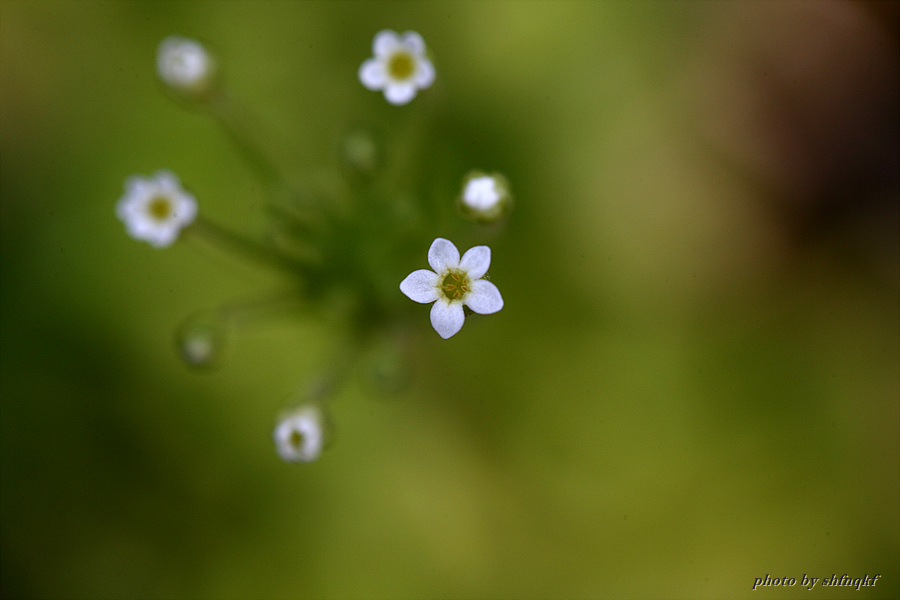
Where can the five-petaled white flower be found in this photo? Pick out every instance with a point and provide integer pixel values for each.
(155, 209)
(453, 283)
(485, 197)
(300, 435)
(184, 64)
(399, 66)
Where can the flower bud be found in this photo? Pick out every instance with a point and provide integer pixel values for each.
(485, 198)
(185, 66)
(201, 340)
(361, 154)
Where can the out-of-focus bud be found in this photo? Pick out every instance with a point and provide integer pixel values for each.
(485, 197)
(201, 340)
(361, 154)
(186, 67)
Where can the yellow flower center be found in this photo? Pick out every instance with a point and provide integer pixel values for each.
(160, 208)
(456, 285)
(401, 65)
(296, 440)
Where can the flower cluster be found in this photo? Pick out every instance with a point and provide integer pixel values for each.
(356, 255)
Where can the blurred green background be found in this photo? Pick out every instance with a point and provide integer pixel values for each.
(695, 381)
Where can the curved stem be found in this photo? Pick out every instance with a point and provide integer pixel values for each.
(240, 244)
(249, 311)
(325, 386)
(237, 123)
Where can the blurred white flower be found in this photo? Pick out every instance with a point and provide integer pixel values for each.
(184, 64)
(155, 209)
(453, 283)
(485, 197)
(300, 435)
(399, 66)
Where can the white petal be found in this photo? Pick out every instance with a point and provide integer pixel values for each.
(125, 208)
(400, 93)
(443, 255)
(138, 228)
(168, 181)
(185, 209)
(137, 185)
(163, 237)
(385, 42)
(476, 261)
(484, 298)
(424, 73)
(421, 286)
(372, 75)
(414, 42)
(447, 318)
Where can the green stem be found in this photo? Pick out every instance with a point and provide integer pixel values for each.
(247, 312)
(326, 385)
(240, 244)
(238, 125)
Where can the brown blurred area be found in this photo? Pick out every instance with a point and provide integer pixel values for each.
(800, 99)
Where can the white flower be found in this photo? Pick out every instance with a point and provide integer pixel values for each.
(453, 283)
(399, 66)
(485, 197)
(300, 435)
(184, 64)
(155, 209)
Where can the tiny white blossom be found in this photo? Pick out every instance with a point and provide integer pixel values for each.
(155, 209)
(300, 435)
(399, 66)
(485, 197)
(454, 282)
(184, 64)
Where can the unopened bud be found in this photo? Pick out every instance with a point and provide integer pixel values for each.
(201, 340)
(361, 153)
(485, 197)
(185, 66)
